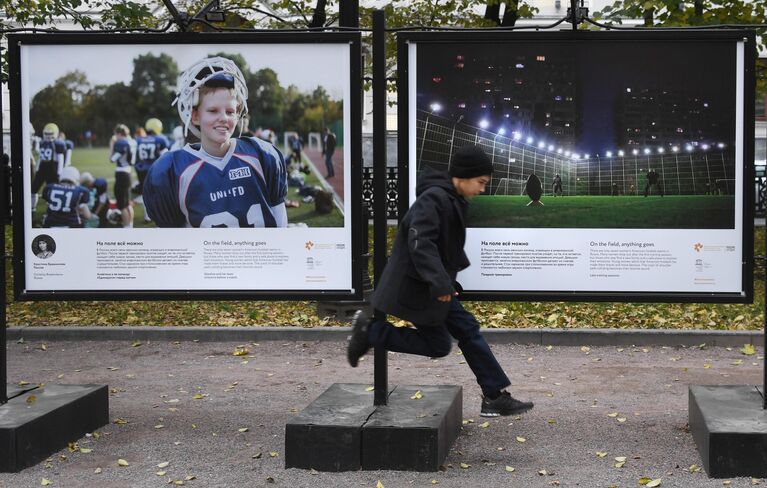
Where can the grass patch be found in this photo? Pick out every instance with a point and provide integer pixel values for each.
(605, 212)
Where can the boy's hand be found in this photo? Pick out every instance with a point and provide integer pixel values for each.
(447, 298)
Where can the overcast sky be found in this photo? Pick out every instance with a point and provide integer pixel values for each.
(304, 65)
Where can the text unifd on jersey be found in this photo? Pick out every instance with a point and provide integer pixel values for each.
(235, 191)
(236, 174)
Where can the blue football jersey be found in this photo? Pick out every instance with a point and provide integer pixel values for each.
(49, 150)
(148, 149)
(63, 200)
(122, 155)
(98, 194)
(246, 188)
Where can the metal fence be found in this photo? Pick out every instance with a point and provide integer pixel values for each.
(681, 172)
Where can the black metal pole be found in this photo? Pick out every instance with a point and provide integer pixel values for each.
(3, 334)
(380, 371)
(349, 13)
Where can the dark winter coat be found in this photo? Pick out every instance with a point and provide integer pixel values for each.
(427, 254)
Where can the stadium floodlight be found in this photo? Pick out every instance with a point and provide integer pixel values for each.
(483, 124)
(567, 154)
(705, 147)
(635, 152)
(608, 154)
(647, 150)
(661, 150)
(586, 156)
(435, 107)
(675, 148)
(621, 153)
(530, 140)
(541, 145)
(688, 147)
(551, 147)
(517, 135)
(720, 145)
(501, 131)
(559, 150)
(576, 157)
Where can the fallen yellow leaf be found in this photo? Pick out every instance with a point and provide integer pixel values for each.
(748, 350)
(164, 464)
(417, 395)
(521, 439)
(485, 425)
(370, 388)
(244, 429)
(45, 482)
(653, 483)
(465, 466)
(31, 399)
(601, 454)
(122, 462)
(379, 484)
(510, 469)
(85, 450)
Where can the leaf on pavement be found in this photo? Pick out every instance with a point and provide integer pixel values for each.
(748, 350)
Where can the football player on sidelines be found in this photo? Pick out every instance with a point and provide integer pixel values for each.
(98, 200)
(67, 201)
(222, 181)
(149, 147)
(69, 145)
(122, 156)
(52, 156)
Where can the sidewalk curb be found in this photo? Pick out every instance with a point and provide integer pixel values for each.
(554, 337)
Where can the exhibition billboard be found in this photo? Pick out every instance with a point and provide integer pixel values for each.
(186, 165)
(622, 160)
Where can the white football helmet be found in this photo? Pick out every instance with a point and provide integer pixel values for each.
(50, 131)
(70, 174)
(214, 72)
(114, 215)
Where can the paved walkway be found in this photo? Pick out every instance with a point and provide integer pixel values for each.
(220, 418)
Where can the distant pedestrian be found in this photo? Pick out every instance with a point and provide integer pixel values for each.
(328, 148)
(418, 283)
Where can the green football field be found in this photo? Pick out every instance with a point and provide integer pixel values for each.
(605, 212)
(96, 161)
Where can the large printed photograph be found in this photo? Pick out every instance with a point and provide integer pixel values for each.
(176, 136)
(188, 166)
(633, 134)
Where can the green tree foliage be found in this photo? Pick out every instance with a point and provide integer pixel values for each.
(154, 81)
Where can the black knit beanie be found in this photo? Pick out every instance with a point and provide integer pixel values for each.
(469, 162)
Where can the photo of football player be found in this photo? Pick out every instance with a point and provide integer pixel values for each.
(98, 198)
(122, 156)
(69, 145)
(223, 181)
(149, 147)
(67, 201)
(52, 153)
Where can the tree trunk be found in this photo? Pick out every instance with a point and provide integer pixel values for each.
(648, 17)
(319, 17)
(493, 12)
(511, 14)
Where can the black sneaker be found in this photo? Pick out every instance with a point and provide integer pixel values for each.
(503, 405)
(358, 341)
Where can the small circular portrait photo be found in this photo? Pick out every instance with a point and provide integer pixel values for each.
(43, 246)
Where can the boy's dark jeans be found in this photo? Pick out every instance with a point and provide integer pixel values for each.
(435, 341)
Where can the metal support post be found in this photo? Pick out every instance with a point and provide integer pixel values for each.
(380, 371)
